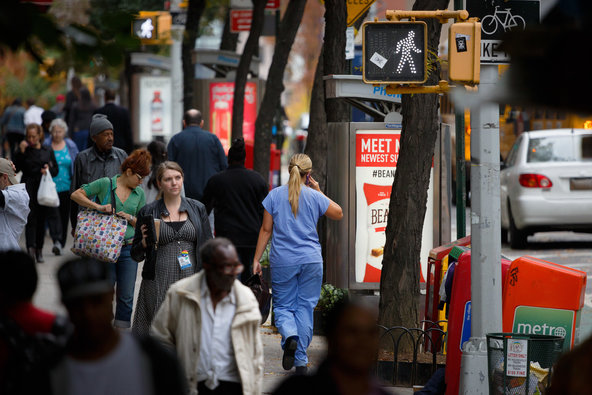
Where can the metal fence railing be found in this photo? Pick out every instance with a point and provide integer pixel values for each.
(421, 349)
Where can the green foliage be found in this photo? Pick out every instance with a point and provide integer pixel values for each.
(33, 85)
(433, 61)
(330, 295)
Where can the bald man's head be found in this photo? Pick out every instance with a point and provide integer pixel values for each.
(192, 118)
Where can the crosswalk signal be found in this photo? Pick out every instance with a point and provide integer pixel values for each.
(464, 52)
(394, 52)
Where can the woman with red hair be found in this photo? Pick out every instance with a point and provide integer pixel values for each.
(129, 199)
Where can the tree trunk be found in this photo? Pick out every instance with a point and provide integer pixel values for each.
(399, 285)
(322, 110)
(316, 142)
(334, 55)
(194, 12)
(229, 39)
(275, 85)
(242, 72)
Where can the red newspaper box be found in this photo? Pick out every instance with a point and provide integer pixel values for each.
(434, 279)
(459, 318)
(543, 298)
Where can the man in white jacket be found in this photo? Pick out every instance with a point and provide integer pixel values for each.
(213, 322)
(14, 207)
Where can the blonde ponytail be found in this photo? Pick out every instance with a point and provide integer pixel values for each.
(300, 164)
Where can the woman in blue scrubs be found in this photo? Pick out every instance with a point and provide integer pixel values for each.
(291, 215)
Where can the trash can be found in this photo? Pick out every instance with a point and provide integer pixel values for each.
(521, 364)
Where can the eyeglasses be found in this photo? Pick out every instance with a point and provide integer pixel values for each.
(236, 268)
(139, 177)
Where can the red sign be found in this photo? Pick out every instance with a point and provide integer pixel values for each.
(240, 20)
(221, 99)
(272, 5)
(377, 150)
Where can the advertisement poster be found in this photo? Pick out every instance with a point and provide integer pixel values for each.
(221, 98)
(377, 153)
(155, 107)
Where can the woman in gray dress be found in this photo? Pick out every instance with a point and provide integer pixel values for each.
(184, 227)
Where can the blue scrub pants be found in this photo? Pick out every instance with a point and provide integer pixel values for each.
(296, 291)
(124, 270)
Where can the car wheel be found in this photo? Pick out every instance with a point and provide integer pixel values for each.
(517, 237)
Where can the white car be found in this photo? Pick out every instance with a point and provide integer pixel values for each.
(546, 184)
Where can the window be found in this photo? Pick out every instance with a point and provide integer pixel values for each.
(569, 148)
(511, 158)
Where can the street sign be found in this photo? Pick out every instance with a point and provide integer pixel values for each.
(394, 52)
(240, 20)
(248, 4)
(355, 10)
(498, 17)
(179, 18)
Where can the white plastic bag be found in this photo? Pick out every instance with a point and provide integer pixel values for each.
(47, 195)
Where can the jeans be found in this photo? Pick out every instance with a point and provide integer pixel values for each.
(124, 270)
(296, 291)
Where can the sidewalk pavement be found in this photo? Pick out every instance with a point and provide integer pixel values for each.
(48, 297)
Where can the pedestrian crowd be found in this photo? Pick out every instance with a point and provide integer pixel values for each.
(199, 222)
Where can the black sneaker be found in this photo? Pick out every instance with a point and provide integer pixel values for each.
(39, 256)
(301, 371)
(57, 248)
(289, 351)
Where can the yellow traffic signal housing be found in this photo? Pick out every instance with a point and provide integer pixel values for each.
(464, 52)
(153, 27)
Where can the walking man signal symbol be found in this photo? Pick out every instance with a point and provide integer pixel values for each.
(405, 46)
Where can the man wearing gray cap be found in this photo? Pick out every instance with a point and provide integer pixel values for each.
(14, 207)
(99, 359)
(100, 160)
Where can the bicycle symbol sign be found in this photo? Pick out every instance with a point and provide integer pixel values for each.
(499, 17)
(502, 19)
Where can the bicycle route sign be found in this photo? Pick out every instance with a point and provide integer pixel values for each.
(498, 17)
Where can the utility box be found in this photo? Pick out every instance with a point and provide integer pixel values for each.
(464, 52)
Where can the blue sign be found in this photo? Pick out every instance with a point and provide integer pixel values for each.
(465, 335)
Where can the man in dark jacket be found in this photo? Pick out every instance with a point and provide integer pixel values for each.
(235, 195)
(99, 359)
(199, 153)
(100, 160)
(119, 117)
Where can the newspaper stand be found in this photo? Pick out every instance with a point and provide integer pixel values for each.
(459, 318)
(544, 298)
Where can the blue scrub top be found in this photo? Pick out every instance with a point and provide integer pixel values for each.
(295, 239)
